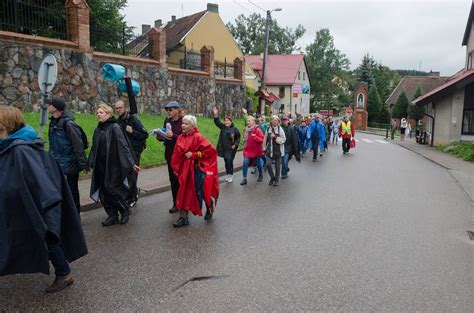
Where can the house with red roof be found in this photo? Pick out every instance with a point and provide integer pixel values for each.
(450, 107)
(286, 79)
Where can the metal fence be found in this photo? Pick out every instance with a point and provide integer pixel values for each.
(186, 59)
(224, 69)
(34, 17)
(118, 40)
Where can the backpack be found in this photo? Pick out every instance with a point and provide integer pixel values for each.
(85, 143)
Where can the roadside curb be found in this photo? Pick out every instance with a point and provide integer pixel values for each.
(149, 192)
(424, 156)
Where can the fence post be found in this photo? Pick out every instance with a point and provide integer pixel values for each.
(77, 12)
(207, 60)
(17, 16)
(238, 68)
(157, 43)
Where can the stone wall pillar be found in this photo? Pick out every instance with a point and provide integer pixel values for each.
(77, 12)
(157, 44)
(207, 59)
(239, 69)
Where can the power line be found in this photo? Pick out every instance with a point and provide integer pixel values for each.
(257, 6)
(235, 2)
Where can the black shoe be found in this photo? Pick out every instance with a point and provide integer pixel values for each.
(243, 182)
(270, 183)
(111, 220)
(260, 178)
(275, 183)
(284, 177)
(315, 160)
(174, 209)
(124, 219)
(182, 221)
(208, 215)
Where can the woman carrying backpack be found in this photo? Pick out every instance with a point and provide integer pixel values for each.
(229, 139)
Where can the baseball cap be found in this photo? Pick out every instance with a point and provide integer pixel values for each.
(172, 104)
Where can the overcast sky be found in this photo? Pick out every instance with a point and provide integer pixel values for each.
(421, 34)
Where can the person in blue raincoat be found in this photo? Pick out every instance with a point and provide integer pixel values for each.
(316, 134)
(301, 131)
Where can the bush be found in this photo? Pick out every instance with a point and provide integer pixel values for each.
(464, 150)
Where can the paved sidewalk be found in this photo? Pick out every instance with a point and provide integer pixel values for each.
(462, 171)
(151, 181)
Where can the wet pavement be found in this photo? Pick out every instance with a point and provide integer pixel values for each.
(381, 229)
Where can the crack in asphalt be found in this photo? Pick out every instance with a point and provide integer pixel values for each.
(200, 278)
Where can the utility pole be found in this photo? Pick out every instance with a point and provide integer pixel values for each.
(262, 83)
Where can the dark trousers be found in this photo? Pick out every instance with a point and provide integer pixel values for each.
(274, 175)
(112, 204)
(58, 259)
(73, 181)
(229, 164)
(315, 143)
(346, 144)
(133, 193)
(174, 183)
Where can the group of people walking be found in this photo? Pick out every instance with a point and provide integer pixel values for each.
(40, 205)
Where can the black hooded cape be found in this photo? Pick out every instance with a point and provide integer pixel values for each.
(35, 201)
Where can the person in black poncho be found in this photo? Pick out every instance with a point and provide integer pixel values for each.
(113, 164)
(38, 217)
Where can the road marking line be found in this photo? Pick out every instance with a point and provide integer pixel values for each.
(367, 140)
(381, 141)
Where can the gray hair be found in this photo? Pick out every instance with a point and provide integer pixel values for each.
(191, 119)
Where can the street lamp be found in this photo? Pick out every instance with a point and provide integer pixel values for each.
(262, 85)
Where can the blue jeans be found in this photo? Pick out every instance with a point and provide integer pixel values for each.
(284, 165)
(335, 137)
(58, 259)
(245, 167)
(229, 164)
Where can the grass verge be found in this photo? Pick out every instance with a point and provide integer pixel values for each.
(464, 150)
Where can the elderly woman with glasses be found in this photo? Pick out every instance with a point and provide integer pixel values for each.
(274, 145)
(194, 162)
(38, 217)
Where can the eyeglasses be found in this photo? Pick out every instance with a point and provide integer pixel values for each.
(169, 109)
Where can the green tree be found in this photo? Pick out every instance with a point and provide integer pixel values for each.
(374, 105)
(249, 32)
(416, 112)
(328, 68)
(399, 110)
(384, 114)
(365, 71)
(386, 80)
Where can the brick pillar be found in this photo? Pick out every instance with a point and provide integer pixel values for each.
(157, 44)
(239, 69)
(207, 59)
(77, 12)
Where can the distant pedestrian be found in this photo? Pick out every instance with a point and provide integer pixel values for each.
(113, 164)
(335, 131)
(253, 149)
(291, 146)
(137, 135)
(274, 145)
(303, 142)
(403, 127)
(172, 124)
(38, 217)
(66, 145)
(315, 136)
(346, 131)
(408, 131)
(228, 143)
(194, 162)
(393, 129)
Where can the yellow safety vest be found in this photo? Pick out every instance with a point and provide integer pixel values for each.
(346, 128)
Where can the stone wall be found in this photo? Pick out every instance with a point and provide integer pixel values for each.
(81, 84)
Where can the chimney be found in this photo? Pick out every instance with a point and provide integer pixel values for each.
(434, 74)
(211, 7)
(173, 18)
(145, 28)
(158, 23)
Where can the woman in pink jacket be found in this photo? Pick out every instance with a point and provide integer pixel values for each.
(253, 148)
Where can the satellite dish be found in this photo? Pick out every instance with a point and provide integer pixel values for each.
(47, 74)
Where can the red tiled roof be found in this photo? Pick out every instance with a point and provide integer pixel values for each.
(459, 80)
(281, 69)
(175, 31)
(269, 96)
(409, 84)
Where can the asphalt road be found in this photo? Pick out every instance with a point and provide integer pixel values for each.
(381, 229)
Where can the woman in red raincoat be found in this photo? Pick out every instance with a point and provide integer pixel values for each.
(194, 162)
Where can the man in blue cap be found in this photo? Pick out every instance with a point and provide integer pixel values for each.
(173, 129)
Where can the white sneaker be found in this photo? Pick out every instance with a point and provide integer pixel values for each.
(230, 178)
